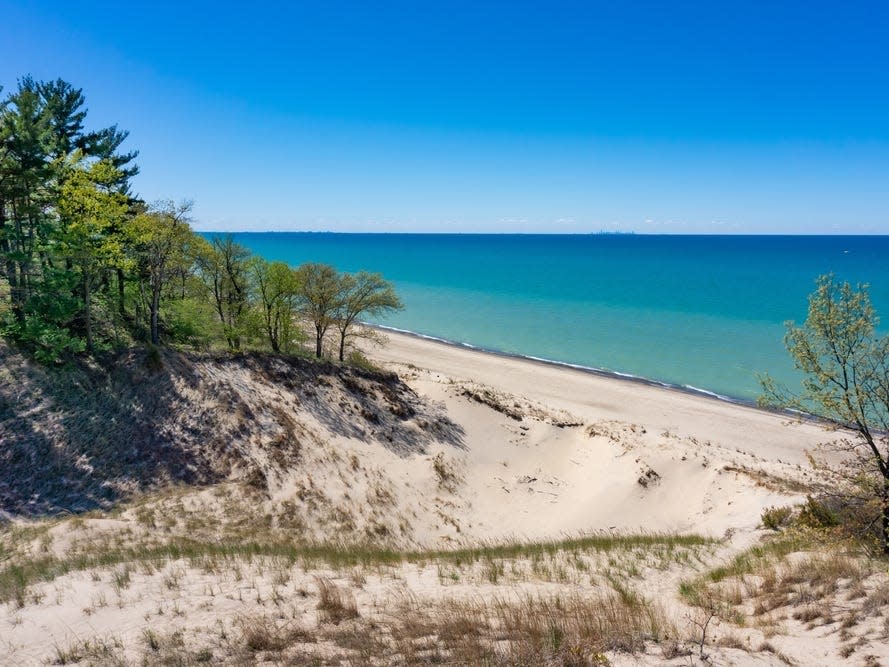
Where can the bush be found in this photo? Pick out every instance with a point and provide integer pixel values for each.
(817, 514)
(189, 321)
(357, 360)
(49, 342)
(776, 518)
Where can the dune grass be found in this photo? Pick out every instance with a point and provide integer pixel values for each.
(800, 578)
(21, 572)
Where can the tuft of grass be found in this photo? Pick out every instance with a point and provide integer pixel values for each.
(806, 580)
(573, 629)
(97, 651)
(335, 604)
(445, 472)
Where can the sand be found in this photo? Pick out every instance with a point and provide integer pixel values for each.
(587, 477)
(535, 452)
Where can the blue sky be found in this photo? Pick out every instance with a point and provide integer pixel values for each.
(735, 117)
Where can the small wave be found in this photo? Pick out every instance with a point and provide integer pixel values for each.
(698, 390)
(629, 377)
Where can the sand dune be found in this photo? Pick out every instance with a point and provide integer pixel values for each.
(600, 453)
(313, 534)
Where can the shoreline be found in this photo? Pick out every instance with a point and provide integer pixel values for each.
(591, 370)
(741, 435)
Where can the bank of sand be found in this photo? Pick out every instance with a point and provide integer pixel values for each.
(532, 451)
(608, 453)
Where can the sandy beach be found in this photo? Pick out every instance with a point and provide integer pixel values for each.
(464, 450)
(710, 456)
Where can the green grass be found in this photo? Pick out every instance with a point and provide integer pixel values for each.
(16, 577)
(698, 591)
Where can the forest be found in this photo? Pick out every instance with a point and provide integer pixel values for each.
(87, 265)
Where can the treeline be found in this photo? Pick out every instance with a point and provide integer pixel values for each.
(86, 265)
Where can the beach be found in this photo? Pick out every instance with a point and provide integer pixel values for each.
(464, 485)
(711, 460)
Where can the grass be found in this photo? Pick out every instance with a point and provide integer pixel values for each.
(798, 578)
(287, 621)
(335, 604)
(17, 576)
(572, 629)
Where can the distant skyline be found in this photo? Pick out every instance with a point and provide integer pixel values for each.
(645, 117)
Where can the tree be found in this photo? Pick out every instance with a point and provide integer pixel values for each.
(26, 187)
(276, 286)
(89, 206)
(321, 291)
(363, 294)
(47, 159)
(222, 264)
(846, 384)
(159, 239)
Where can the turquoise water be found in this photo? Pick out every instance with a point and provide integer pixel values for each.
(698, 311)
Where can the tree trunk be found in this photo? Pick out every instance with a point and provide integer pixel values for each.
(88, 314)
(886, 515)
(121, 303)
(342, 343)
(319, 335)
(273, 340)
(155, 306)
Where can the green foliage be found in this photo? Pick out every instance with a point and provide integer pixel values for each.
(85, 267)
(222, 266)
(191, 322)
(362, 294)
(357, 360)
(49, 342)
(776, 518)
(158, 244)
(277, 288)
(816, 514)
(321, 290)
(845, 363)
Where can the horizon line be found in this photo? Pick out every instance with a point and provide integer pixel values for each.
(599, 233)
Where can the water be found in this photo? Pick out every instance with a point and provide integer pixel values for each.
(697, 311)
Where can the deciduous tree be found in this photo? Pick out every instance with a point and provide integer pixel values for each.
(363, 294)
(159, 240)
(846, 384)
(321, 293)
(89, 207)
(222, 265)
(277, 287)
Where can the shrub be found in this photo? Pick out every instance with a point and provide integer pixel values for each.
(817, 514)
(776, 518)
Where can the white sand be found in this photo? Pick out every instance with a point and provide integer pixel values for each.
(581, 453)
(589, 483)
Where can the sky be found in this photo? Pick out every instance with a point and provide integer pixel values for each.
(651, 117)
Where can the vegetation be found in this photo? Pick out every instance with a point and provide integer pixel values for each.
(846, 384)
(315, 604)
(362, 294)
(86, 265)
